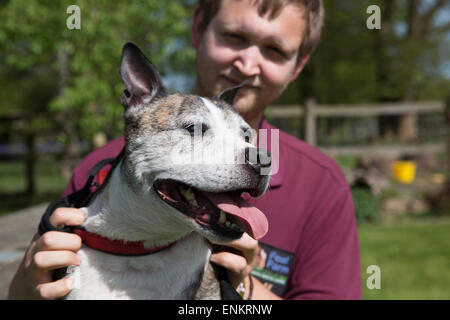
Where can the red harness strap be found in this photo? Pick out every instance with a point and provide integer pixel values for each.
(101, 176)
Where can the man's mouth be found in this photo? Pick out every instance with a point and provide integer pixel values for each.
(225, 213)
(235, 82)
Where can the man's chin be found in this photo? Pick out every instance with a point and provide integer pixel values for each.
(248, 97)
(244, 102)
(248, 107)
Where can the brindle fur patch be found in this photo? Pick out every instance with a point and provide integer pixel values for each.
(166, 112)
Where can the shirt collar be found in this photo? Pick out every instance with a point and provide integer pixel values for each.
(275, 179)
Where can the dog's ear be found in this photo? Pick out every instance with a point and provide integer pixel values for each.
(229, 94)
(140, 77)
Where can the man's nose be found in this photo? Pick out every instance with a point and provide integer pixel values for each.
(258, 159)
(248, 61)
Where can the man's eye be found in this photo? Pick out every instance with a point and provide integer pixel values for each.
(234, 38)
(276, 52)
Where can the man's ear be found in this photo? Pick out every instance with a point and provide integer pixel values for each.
(140, 77)
(196, 33)
(300, 65)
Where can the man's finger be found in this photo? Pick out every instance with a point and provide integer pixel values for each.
(62, 217)
(51, 260)
(230, 261)
(56, 289)
(247, 246)
(244, 243)
(55, 240)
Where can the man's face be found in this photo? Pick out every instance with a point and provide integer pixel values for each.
(239, 45)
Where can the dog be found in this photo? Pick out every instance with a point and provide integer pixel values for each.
(158, 195)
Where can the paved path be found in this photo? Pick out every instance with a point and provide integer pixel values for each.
(16, 231)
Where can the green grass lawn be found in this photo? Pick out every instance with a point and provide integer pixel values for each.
(414, 259)
(49, 184)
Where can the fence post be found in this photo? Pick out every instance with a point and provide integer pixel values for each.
(310, 122)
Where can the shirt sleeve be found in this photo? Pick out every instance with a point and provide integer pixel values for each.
(328, 259)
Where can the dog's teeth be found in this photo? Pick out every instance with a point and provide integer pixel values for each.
(223, 217)
(190, 197)
(193, 202)
(188, 194)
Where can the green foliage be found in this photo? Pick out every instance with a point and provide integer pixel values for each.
(348, 162)
(406, 59)
(367, 206)
(83, 64)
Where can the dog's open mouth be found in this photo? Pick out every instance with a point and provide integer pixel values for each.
(225, 213)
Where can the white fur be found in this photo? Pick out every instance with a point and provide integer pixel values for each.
(158, 276)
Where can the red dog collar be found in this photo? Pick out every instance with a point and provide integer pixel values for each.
(118, 247)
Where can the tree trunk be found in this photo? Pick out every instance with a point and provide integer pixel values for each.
(66, 119)
(408, 123)
(73, 150)
(383, 40)
(30, 161)
(408, 127)
(447, 116)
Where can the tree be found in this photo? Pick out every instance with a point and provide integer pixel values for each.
(401, 61)
(81, 66)
(422, 37)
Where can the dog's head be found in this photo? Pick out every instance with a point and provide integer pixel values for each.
(190, 158)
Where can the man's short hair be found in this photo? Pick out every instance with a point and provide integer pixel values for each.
(314, 15)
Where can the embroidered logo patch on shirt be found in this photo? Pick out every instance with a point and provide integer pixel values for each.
(274, 268)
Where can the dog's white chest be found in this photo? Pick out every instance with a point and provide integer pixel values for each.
(174, 273)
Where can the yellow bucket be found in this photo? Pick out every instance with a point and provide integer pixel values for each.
(404, 171)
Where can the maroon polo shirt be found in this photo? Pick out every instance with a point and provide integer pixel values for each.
(310, 212)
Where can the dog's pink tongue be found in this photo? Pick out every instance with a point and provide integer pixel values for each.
(255, 222)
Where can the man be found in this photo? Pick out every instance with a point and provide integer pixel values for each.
(309, 206)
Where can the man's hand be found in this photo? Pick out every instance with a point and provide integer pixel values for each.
(239, 262)
(53, 250)
(239, 257)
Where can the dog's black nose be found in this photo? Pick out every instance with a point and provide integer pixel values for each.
(258, 158)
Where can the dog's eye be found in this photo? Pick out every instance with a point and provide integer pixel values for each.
(193, 128)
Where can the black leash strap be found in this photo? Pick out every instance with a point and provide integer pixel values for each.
(227, 291)
(73, 200)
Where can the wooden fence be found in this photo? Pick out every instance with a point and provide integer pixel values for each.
(311, 112)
